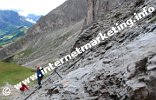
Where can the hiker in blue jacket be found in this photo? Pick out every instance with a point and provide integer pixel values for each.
(39, 76)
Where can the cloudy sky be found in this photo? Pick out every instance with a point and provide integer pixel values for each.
(24, 7)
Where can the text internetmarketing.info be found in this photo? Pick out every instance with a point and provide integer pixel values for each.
(146, 11)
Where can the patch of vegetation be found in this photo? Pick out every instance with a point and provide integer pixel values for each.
(12, 73)
(153, 20)
(26, 52)
(12, 35)
(1, 44)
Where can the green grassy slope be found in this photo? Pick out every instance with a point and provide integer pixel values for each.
(12, 73)
(10, 37)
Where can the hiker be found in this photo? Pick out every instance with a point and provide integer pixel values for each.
(23, 88)
(39, 76)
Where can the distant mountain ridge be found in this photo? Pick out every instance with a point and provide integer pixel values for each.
(13, 25)
(32, 18)
(11, 20)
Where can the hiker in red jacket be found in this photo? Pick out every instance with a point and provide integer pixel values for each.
(23, 88)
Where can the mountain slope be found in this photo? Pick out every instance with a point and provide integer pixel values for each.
(59, 24)
(12, 73)
(12, 26)
(122, 67)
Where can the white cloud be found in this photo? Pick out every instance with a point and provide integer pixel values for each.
(24, 7)
(30, 20)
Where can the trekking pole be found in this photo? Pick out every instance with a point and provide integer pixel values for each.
(58, 73)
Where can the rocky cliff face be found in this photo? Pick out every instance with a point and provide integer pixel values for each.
(122, 67)
(97, 9)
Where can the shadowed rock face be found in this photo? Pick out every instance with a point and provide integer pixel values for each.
(97, 9)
